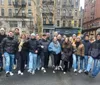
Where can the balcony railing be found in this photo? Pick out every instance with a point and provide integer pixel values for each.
(66, 17)
(19, 4)
(50, 2)
(50, 13)
(20, 15)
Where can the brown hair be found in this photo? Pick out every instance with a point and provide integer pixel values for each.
(23, 35)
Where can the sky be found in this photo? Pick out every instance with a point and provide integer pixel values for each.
(82, 3)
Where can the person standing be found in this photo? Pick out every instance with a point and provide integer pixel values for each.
(55, 49)
(22, 54)
(9, 47)
(2, 36)
(33, 50)
(87, 45)
(79, 55)
(44, 43)
(67, 51)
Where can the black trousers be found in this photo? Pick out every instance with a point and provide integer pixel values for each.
(22, 56)
(44, 59)
(57, 58)
(1, 61)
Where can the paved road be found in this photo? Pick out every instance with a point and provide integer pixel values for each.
(49, 79)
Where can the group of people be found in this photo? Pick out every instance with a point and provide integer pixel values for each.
(34, 52)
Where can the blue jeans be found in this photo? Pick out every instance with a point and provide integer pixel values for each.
(9, 61)
(85, 62)
(81, 62)
(75, 61)
(38, 62)
(32, 61)
(89, 65)
(96, 67)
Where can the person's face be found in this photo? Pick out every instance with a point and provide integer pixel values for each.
(74, 37)
(44, 37)
(98, 37)
(23, 37)
(66, 40)
(55, 39)
(37, 37)
(78, 39)
(59, 37)
(2, 32)
(16, 31)
(32, 37)
(11, 34)
(86, 38)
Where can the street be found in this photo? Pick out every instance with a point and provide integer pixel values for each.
(49, 79)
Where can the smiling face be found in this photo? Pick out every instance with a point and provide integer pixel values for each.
(10, 34)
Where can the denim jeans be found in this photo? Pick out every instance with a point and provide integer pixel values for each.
(38, 61)
(32, 61)
(9, 61)
(81, 62)
(96, 67)
(1, 60)
(85, 62)
(75, 61)
(90, 63)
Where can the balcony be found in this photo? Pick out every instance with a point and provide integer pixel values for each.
(19, 4)
(50, 2)
(20, 15)
(49, 13)
(66, 17)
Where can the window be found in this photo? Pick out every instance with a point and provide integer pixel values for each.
(58, 1)
(69, 24)
(50, 20)
(44, 20)
(29, 2)
(1, 2)
(58, 11)
(58, 23)
(64, 23)
(75, 23)
(23, 23)
(75, 12)
(9, 2)
(29, 12)
(2, 12)
(13, 24)
(10, 12)
(64, 11)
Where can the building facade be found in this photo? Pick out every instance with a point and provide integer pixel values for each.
(67, 13)
(48, 15)
(17, 13)
(91, 16)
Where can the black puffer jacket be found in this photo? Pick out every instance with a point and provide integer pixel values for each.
(33, 45)
(95, 45)
(9, 45)
(45, 44)
(87, 45)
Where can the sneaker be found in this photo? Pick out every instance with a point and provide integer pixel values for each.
(86, 72)
(33, 72)
(29, 71)
(42, 68)
(11, 74)
(14, 67)
(64, 72)
(19, 72)
(7, 74)
(38, 69)
(75, 70)
(80, 71)
(44, 71)
(22, 73)
(56, 68)
(54, 72)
